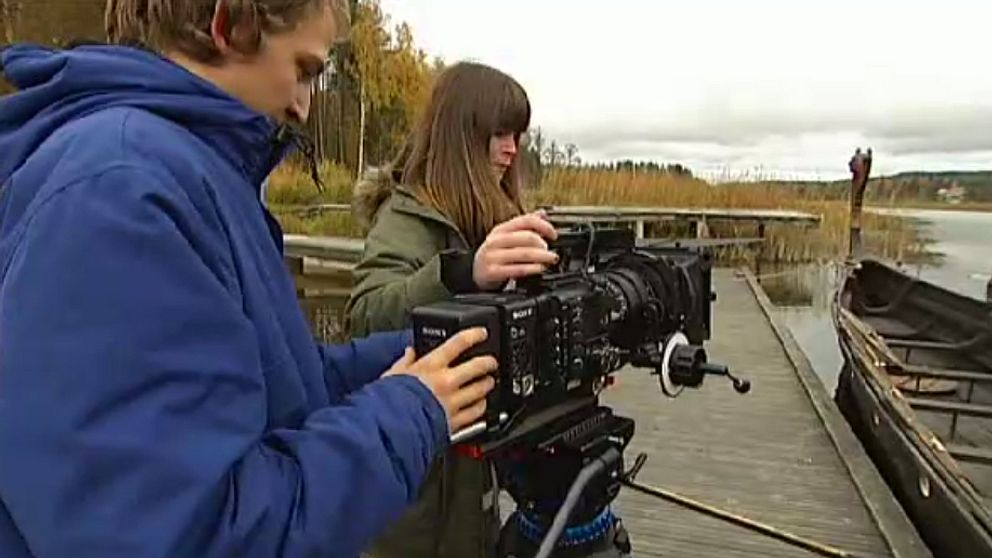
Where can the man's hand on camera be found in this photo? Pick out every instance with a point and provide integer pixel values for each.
(514, 249)
(462, 389)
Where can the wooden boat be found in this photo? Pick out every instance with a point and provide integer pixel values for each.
(917, 390)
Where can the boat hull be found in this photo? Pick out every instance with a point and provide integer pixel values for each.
(936, 493)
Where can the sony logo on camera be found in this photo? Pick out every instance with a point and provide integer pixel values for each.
(434, 332)
(523, 313)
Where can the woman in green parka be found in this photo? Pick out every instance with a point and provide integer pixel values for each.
(446, 218)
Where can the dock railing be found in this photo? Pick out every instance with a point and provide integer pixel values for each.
(322, 265)
(638, 217)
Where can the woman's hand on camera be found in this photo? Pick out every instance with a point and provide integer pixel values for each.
(461, 389)
(514, 249)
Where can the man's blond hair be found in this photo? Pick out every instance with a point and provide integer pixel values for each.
(184, 25)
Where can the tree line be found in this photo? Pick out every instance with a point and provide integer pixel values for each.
(364, 104)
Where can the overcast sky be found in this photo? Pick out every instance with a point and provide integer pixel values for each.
(736, 88)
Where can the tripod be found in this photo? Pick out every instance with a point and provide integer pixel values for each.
(556, 516)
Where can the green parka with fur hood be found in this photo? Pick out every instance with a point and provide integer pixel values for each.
(413, 255)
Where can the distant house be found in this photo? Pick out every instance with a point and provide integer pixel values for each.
(952, 194)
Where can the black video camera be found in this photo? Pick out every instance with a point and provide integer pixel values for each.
(559, 335)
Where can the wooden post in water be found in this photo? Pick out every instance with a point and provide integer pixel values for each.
(860, 166)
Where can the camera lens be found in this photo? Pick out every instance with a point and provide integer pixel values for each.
(648, 294)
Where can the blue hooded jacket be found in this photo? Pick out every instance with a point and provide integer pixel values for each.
(161, 394)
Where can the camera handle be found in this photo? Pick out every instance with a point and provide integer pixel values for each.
(681, 364)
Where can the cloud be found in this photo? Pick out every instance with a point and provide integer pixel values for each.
(717, 135)
(907, 130)
(718, 84)
(938, 130)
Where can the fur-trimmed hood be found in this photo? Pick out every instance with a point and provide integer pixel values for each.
(371, 191)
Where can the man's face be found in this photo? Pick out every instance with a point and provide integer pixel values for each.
(277, 80)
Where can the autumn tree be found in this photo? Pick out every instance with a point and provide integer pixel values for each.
(553, 154)
(362, 108)
(10, 16)
(50, 22)
(571, 154)
(532, 150)
(393, 78)
(365, 106)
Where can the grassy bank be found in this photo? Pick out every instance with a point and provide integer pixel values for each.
(889, 236)
(291, 189)
(290, 185)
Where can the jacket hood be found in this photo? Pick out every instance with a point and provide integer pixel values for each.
(371, 191)
(59, 86)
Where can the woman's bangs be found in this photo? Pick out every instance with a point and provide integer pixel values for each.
(514, 110)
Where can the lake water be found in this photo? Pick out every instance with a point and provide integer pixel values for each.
(962, 238)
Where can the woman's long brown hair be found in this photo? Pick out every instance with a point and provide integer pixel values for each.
(446, 161)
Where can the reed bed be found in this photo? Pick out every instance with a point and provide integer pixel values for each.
(889, 236)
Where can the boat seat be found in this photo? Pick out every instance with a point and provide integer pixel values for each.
(889, 327)
(917, 344)
(968, 409)
(970, 454)
(943, 373)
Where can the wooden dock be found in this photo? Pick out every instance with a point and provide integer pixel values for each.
(780, 455)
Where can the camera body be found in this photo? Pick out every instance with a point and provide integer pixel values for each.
(558, 336)
(608, 303)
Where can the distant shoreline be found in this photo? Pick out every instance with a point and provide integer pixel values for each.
(982, 207)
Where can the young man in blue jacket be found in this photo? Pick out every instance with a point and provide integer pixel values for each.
(160, 392)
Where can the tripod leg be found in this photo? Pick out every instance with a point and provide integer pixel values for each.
(621, 540)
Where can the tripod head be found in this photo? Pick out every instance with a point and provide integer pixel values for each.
(540, 477)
